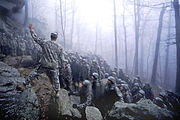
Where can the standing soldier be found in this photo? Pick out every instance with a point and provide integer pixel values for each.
(85, 71)
(95, 68)
(95, 85)
(50, 62)
(75, 72)
(67, 77)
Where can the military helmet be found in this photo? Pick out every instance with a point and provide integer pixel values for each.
(118, 81)
(86, 83)
(136, 84)
(54, 35)
(162, 94)
(95, 75)
(135, 78)
(84, 60)
(113, 73)
(142, 92)
(106, 75)
(73, 57)
(123, 82)
(112, 79)
(94, 61)
(125, 86)
(65, 60)
(158, 99)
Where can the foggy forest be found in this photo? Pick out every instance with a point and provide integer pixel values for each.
(90, 59)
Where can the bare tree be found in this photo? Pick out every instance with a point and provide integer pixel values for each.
(154, 70)
(56, 16)
(137, 24)
(95, 51)
(63, 22)
(26, 13)
(167, 54)
(177, 22)
(115, 35)
(125, 39)
(72, 23)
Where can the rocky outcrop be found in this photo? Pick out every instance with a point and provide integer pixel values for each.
(19, 61)
(61, 107)
(93, 113)
(15, 104)
(144, 109)
(50, 106)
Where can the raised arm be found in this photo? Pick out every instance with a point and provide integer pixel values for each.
(34, 36)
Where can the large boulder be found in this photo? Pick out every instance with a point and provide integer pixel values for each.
(144, 109)
(50, 106)
(61, 108)
(93, 113)
(15, 104)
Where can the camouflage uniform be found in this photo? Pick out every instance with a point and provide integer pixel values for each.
(84, 72)
(50, 62)
(138, 96)
(67, 77)
(96, 85)
(159, 102)
(95, 69)
(148, 91)
(85, 94)
(75, 72)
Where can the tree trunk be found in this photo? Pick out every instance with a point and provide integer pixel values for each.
(137, 24)
(95, 51)
(177, 21)
(62, 23)
(56, 17)
(125, 39)
(115, 35)
(72, 25)
(166, 77)
(154, 70)
(26, 13)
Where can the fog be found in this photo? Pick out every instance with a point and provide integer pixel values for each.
(90, 26)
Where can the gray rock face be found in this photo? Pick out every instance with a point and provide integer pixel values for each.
(15, 104)
(12, 4)
(20, 61)
(144, 109)
(93, 113)
(61, 108)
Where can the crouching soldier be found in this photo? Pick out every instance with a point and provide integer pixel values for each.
(85, 94)
(159, 102)
(50, 62)
(126, 93)
(138, 96)
(148, 91)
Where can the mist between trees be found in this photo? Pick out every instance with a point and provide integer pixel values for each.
(139, 36)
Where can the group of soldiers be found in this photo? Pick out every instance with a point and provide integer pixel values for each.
(18, 43)
(90, 77)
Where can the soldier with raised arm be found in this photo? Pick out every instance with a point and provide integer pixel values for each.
(50, 62)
